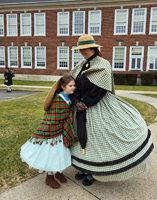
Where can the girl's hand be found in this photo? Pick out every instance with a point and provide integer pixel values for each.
(80, 106)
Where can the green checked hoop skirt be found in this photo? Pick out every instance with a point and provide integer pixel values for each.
(119, 143)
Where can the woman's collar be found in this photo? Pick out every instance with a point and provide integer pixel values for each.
(93, 56)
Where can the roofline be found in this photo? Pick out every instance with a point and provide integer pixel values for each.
(48, 1)
(73, 4)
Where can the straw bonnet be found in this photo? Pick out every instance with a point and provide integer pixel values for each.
(51, 95)
(86, 41)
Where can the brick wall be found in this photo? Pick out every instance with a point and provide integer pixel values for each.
(51, 40)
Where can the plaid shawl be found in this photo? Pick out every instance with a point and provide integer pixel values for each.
(58, 120)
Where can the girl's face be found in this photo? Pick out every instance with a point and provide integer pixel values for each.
(69, 88)
(87, 53)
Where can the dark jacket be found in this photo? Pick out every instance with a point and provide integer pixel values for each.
(8, 78)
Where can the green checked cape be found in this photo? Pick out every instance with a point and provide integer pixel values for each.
(58, 120)
(119, 143)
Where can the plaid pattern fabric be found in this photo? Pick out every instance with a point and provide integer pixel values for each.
(119, 144)
(58, 120)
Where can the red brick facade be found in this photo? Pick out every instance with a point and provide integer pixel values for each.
(51, 41)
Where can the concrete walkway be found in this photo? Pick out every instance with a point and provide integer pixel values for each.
(140, 187)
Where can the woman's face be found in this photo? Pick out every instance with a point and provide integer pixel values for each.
(87, 53)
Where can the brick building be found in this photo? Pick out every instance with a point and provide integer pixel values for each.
(36, 36)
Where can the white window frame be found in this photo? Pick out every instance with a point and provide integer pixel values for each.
(144, 21)
(90, 22)
(73, 56)
(2, 25)
(132, 56)
(148, 58)
(73, 27)
(16, 27)
(113, 59)
(58, 25)
(36, 59)
(35, 26)
(22, 57)
(152, 20)
(124, 22)
(67, 57)
(9, 59)
(2, 56)
(21, 24)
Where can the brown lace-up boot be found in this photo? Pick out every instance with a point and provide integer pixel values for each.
(52, 182)
(61, 177)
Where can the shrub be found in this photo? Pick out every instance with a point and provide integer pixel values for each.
(147, 78)
(119, 79)
(131, 79)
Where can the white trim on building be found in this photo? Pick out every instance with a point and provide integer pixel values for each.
(138, 25)
(121, 21)
(119, 58)
(25, 24)
(40, 24)
(40, 57)
(63, 23)
(63, 57)
(26, 57)
(136, 58)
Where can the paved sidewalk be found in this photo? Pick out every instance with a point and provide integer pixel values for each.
(14, 94)
(140, 187)
(136, 95)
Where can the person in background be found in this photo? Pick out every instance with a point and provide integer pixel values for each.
(115, 139)
(48, 148)
(8, 75)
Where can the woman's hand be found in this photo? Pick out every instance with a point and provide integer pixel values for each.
(80, 106)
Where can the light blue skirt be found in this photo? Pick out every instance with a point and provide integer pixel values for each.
(46, 157)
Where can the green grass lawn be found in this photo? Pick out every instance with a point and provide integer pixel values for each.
(19, 118)
(150, 95)
(136, 88)
(117, 87)
(33, 83)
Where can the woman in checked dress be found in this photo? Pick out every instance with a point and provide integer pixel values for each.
(118, 144)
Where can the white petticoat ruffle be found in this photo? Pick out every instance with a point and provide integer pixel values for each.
(46, 157)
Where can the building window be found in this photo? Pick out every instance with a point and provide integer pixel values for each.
(11, 24)
(76, 57)
(94, 22)
(26, 57)
(153, 20)
(2, 56)
(40, 57)
(63, 57)
(119, 58)
(13, 57)
(63, 23)
(1, 25)
(25, 24)
(121, 21)
(138, 21)
(136, 58)
(152, 58)
(39, 24)
(78, 22)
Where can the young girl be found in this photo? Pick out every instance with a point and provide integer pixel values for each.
(47, 149)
